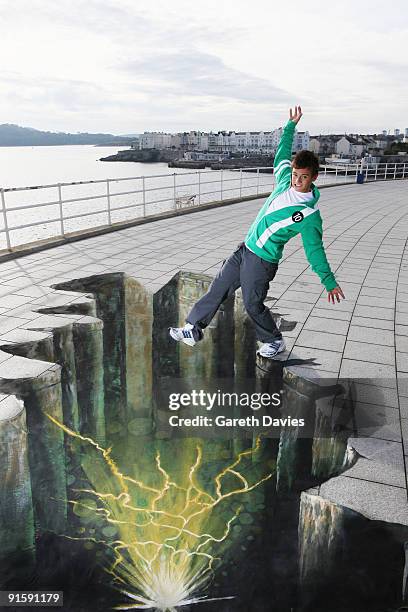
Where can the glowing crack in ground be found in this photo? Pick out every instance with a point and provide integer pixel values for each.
(167, 531)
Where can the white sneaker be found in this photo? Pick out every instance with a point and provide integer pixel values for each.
(183, 334)
(271, 349)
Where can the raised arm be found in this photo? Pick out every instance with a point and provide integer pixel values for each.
(283, 155)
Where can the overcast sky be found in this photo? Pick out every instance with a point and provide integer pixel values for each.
(122, 66)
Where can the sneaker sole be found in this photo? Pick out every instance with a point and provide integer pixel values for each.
(188, 341)
(282, 350)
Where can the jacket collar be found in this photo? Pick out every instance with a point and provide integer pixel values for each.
(316, 196)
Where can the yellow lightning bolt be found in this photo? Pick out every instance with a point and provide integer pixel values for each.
(164, 552)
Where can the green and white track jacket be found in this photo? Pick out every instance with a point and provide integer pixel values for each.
(274, 226)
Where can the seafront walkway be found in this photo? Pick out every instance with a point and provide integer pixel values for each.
(364, 337)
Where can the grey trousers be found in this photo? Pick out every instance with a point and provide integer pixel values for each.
(253, 274)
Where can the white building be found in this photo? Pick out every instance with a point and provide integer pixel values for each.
(347, 145)
(154, 140)
(222, 141)
(260, 142)
(314, 145)
(301, 141)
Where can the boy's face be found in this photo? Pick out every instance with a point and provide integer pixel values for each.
(302, 179)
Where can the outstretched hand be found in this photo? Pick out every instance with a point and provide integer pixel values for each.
(296, 114)
(335, 293)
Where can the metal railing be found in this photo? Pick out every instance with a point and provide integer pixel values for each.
(26, 217)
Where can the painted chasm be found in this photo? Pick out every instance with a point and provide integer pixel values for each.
(101, 499)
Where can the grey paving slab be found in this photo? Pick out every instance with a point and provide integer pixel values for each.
(366, 300)
(403, 406)
(374, 311)
(375, 421)
(375, 394)
(347, 305)
(298, 297)
(380, 461)
(365, 370)
(404, 429)
(303, 287)
(33, 291)
(402, 362)
(402, 307)
(328, 361)
(374, 500)
(19, 367)
(380, 283)
(290, 305)
(8, 323)
(333, 326)
(321, 340)
(373, 322)
(12, 301)
(401, 318)
(402, 386)
(332, 313)
(372, 335)
(377, 353)
(402, 297)
(401, 343)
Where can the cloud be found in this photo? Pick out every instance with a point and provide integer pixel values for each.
(392, 70)
(194, 73)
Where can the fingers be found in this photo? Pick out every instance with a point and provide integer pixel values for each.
(295, 114)
(335, 294)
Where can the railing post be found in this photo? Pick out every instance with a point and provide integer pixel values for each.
(325, 173)
(109, 202)
(174, 191)
(144, 196)
(199, 187)
(366, 173)
(395, 171)
(337, 169)
(376, 171)
(61, 210)
(386, 168)
(4, 211)
(403, 170)
(222, 178)
(240, 182)
(257, 181)
(345, 175)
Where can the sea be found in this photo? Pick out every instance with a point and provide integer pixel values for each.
(32, 166)
(88, 205)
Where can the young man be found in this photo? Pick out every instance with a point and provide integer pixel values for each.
(289, 210)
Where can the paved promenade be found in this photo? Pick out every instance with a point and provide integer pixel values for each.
(365, 336)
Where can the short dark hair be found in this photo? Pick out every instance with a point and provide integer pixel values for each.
(306, 159)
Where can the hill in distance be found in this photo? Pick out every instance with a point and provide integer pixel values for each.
(16, 136)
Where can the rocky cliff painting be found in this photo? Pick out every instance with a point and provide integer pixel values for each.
(102, 499)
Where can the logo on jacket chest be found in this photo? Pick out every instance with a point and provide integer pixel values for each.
(297, 216)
